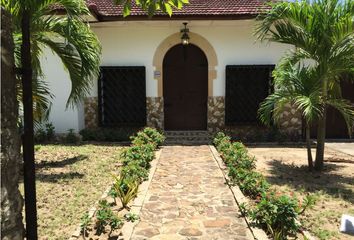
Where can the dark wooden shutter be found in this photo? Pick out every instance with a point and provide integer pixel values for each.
(122, 96)
(246, 87)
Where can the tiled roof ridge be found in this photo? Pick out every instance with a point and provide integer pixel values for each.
(107, 8)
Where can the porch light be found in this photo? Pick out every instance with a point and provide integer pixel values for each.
(185, 38)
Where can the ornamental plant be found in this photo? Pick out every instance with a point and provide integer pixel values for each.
(276, 214)
(125, 188)
(106, 217)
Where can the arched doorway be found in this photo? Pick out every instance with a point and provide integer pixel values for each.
(185, 88)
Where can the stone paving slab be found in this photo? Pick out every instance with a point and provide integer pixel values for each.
(188, 199)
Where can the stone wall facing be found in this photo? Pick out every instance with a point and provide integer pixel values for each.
(91, 112)
(155, 112)
(290, 121)
(216, 114)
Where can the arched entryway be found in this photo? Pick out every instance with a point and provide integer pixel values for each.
(185, 88)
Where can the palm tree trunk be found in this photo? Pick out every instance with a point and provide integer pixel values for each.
(11, 199)
(308, 145)
(28, 141)
(321, 136)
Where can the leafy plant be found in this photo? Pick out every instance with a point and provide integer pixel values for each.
(148, 136)
(71, 137)
(105, 217)
(50, 131)
(85, 222)
(141, 154)
(40, 135)
(126, 189)
(278, 214)
(131, 217)
(115, 223)
(253, 184)
(135, 171)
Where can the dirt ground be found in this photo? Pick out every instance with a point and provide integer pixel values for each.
(286, 169)
(70, 179)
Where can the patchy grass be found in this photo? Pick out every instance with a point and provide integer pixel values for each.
(286, 170)
(70, 179)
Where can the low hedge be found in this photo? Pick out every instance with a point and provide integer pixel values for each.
(136, 160)
(275, 213)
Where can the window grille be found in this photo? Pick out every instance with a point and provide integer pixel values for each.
(246, 87)
(122, 96)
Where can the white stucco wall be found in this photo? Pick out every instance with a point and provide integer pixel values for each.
(134, 44)
(59, 83)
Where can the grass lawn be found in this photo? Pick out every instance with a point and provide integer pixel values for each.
(70, 179)
(286, 170)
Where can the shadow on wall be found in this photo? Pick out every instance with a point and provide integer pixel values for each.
(300, 178)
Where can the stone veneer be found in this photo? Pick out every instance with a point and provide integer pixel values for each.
(154, 112)
(91, 112)
(216, 114)
(290, 121)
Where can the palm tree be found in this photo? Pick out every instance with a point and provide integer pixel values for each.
(36, 27)
(322, 33)
(297, 86)
(69, 37)
(11, 200)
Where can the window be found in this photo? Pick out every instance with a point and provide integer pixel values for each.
(246, 87)
(122, 96)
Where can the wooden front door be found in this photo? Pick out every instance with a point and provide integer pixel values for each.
(336, 127)
(185, 88)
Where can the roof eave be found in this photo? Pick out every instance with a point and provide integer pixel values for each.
(103, 18)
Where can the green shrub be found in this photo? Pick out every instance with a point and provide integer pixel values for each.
(155, 135)
(220, 137)
(106, 217)
(50, 131)
(131, 217)
(254, 185)
(148, 136)
(71, 137)
(44, 133)
(40, 136)
(142, 154)
(277, 214)
(85, 222)
(135, 171)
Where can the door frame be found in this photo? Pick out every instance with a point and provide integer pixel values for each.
(196, 40)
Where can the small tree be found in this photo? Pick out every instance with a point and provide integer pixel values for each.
(322, 32)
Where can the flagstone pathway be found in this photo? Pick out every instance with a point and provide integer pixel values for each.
(188, 199)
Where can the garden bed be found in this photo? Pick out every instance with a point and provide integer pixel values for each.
(286, 169)
(275, 212)
(115, 208)
(70, 179)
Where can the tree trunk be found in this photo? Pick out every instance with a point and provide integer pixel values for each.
(308, 145)
(29, 176)
(11, 200)
(321, 136)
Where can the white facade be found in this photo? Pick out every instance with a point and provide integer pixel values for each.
(134, 43)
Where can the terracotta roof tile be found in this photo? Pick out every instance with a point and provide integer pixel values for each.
(200, 8)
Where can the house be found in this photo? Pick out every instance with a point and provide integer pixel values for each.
(149, 77)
